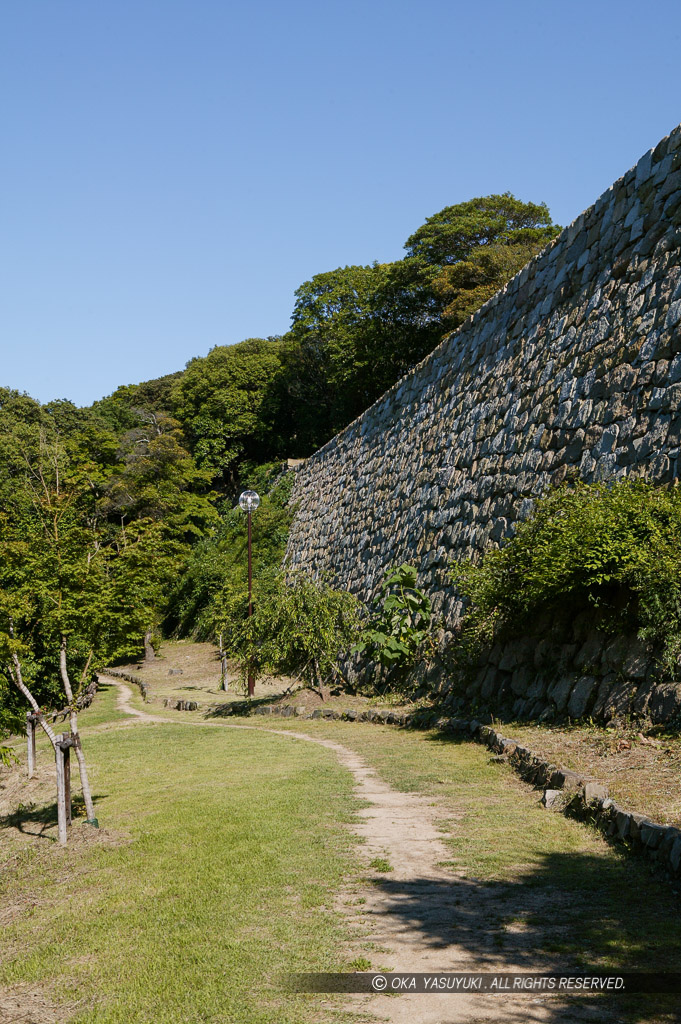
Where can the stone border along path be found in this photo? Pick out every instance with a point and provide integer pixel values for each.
(409, 915)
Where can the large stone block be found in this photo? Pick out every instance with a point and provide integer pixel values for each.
(664, 702)
(582, 696)
(559, 693)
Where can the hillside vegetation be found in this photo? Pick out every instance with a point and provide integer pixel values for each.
(117, 521)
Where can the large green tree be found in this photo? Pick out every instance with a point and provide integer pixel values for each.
(356, 330)
(228, 408)
(57, 621)
(457, 231)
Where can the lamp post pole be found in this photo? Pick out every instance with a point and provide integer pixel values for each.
(249, 501)
(251, 680)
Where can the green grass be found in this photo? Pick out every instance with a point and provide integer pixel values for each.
(541, 881)
(227, 847)
(381, 864)
(103, 709)
(230, 846)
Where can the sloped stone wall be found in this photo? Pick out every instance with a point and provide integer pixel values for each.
(572, 370)
(568, 670)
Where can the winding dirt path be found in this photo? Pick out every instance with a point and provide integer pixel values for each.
(422, 916)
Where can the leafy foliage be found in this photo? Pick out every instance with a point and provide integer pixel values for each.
(457, 231)
(614, 548)
(465, 286)
(226, 404)
(10, 721)
(92, 529)
(300, 627)
(214, 576)
(356, 330)
(400, 626)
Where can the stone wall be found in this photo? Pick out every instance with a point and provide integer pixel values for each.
(572, 671)
(572, 370)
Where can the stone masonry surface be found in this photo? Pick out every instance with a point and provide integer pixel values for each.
(572, 370)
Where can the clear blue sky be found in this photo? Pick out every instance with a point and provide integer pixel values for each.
(172, 170)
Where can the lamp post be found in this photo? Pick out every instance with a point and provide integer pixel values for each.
(249, 501)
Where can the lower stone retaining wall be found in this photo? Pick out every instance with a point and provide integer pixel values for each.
(564, 791)
(568, 671)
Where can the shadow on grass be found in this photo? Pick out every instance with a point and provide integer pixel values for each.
(36, 821)
(571, 913)
(241, 706)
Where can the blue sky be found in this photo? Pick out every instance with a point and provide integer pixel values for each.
(173, 170)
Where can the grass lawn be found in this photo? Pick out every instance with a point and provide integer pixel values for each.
(211, 877)
(551, 890)
(223, 850)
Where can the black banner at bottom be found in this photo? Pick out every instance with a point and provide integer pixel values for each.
(443, 982)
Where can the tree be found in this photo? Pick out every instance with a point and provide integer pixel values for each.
(457, 231)
(51, 583)
(465, 286)
(355, 330)
(326, 354)
(300, 627)
(225, 402)
(86, 557)
(155, 498)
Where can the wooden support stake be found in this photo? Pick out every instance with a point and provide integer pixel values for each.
(30, 742)
(67, 783)
(61, 790)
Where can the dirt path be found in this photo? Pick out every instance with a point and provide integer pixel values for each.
(421, 916)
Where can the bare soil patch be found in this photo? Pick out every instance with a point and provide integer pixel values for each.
(28, 814)
(16, 788)
(21, 1004)
(199, 681)
(335, 700)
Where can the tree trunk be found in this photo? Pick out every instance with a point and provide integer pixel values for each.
(15, 672)
(73, 718)
(223, 666)
(317, 683)
(149, 652)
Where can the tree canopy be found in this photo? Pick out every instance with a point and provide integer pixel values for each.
(457, 231)
(226, 405)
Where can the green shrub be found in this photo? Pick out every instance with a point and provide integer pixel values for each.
(400, 629)
(300, 627)
(613, 547)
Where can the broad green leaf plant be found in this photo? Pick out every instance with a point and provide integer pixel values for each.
(400, 627)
